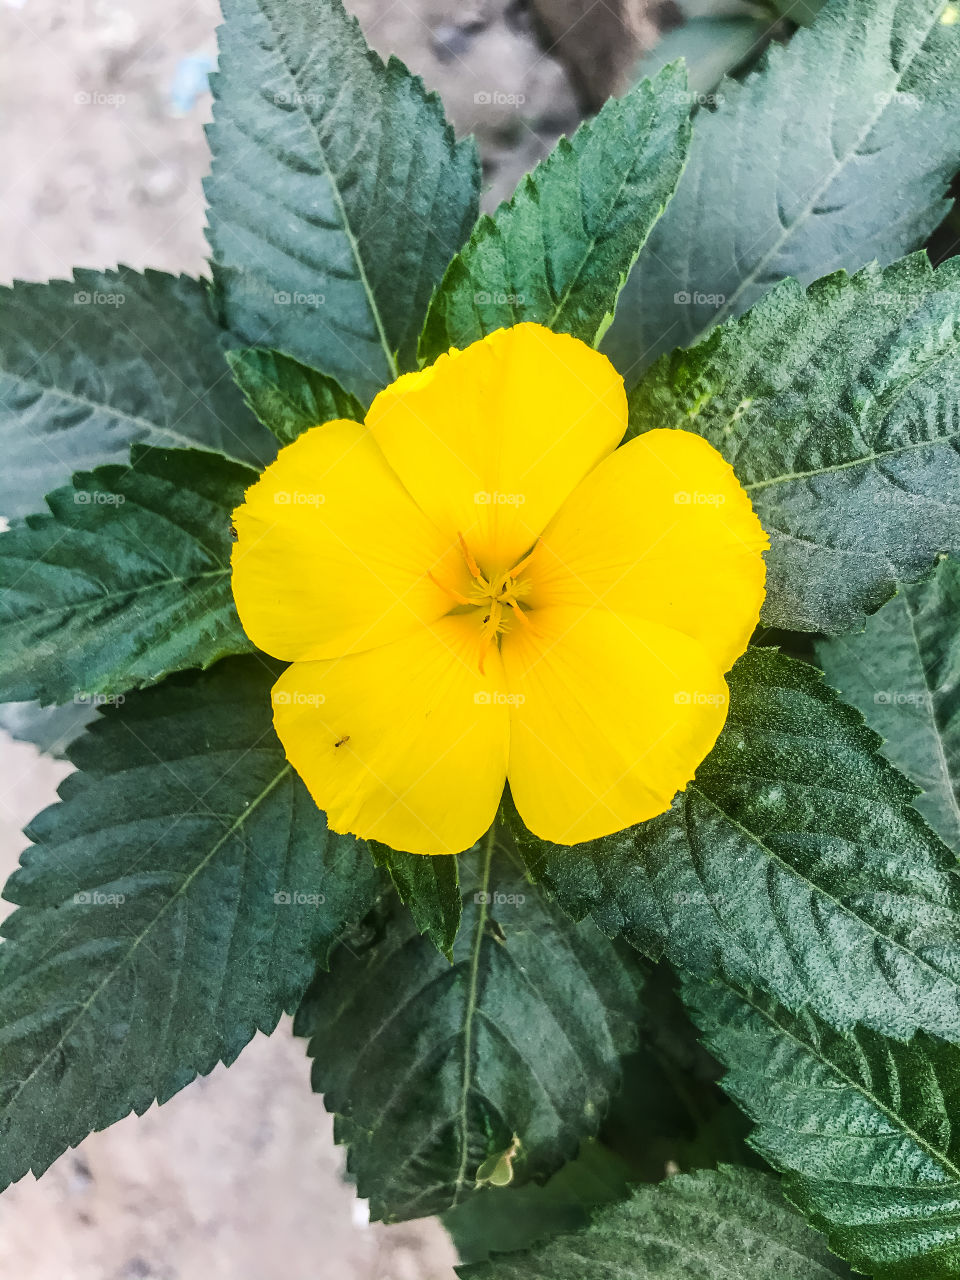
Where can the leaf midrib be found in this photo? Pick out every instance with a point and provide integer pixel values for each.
(348, 231)
(838, 168)
(899, 1122)
(156, 584)
(470, 1011)
(238, 822)
(454, 1037)
(636, 160)
(818, 889)
(91, 603)
(154, 429)
(855, 462)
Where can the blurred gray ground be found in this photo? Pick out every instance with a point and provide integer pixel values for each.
(97, 169)
(237, 1178)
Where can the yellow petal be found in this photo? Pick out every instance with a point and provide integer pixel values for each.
(332, 554)
(423, 737)
(660, 530)
(491, 440)
(614, 715)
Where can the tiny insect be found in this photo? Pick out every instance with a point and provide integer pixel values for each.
(233, 531)
(341, 741)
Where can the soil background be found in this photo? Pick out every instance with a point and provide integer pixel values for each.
(102, 150)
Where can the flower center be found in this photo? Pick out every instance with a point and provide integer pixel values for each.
(495, 596)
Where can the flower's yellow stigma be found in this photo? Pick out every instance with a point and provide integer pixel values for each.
(480, 584)
(494, 595)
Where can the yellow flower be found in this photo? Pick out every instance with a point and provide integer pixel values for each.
(477, 586)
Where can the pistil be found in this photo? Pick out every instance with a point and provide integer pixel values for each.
(496, 595)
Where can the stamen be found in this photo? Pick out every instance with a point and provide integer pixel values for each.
(449, 590)
(494, 595)
(471, 563)
(490, 630)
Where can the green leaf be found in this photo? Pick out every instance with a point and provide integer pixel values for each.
(127, 580)
(864, 1128)
(489, 1070)
(338, 194)
(91, 365)
(704, 1226)
(795, 859)
(669, 1114)
(430, 886)
(559, 251)
(170, 909)
(839, 152)
(901, 673)
(837, 408)
(288, 397)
